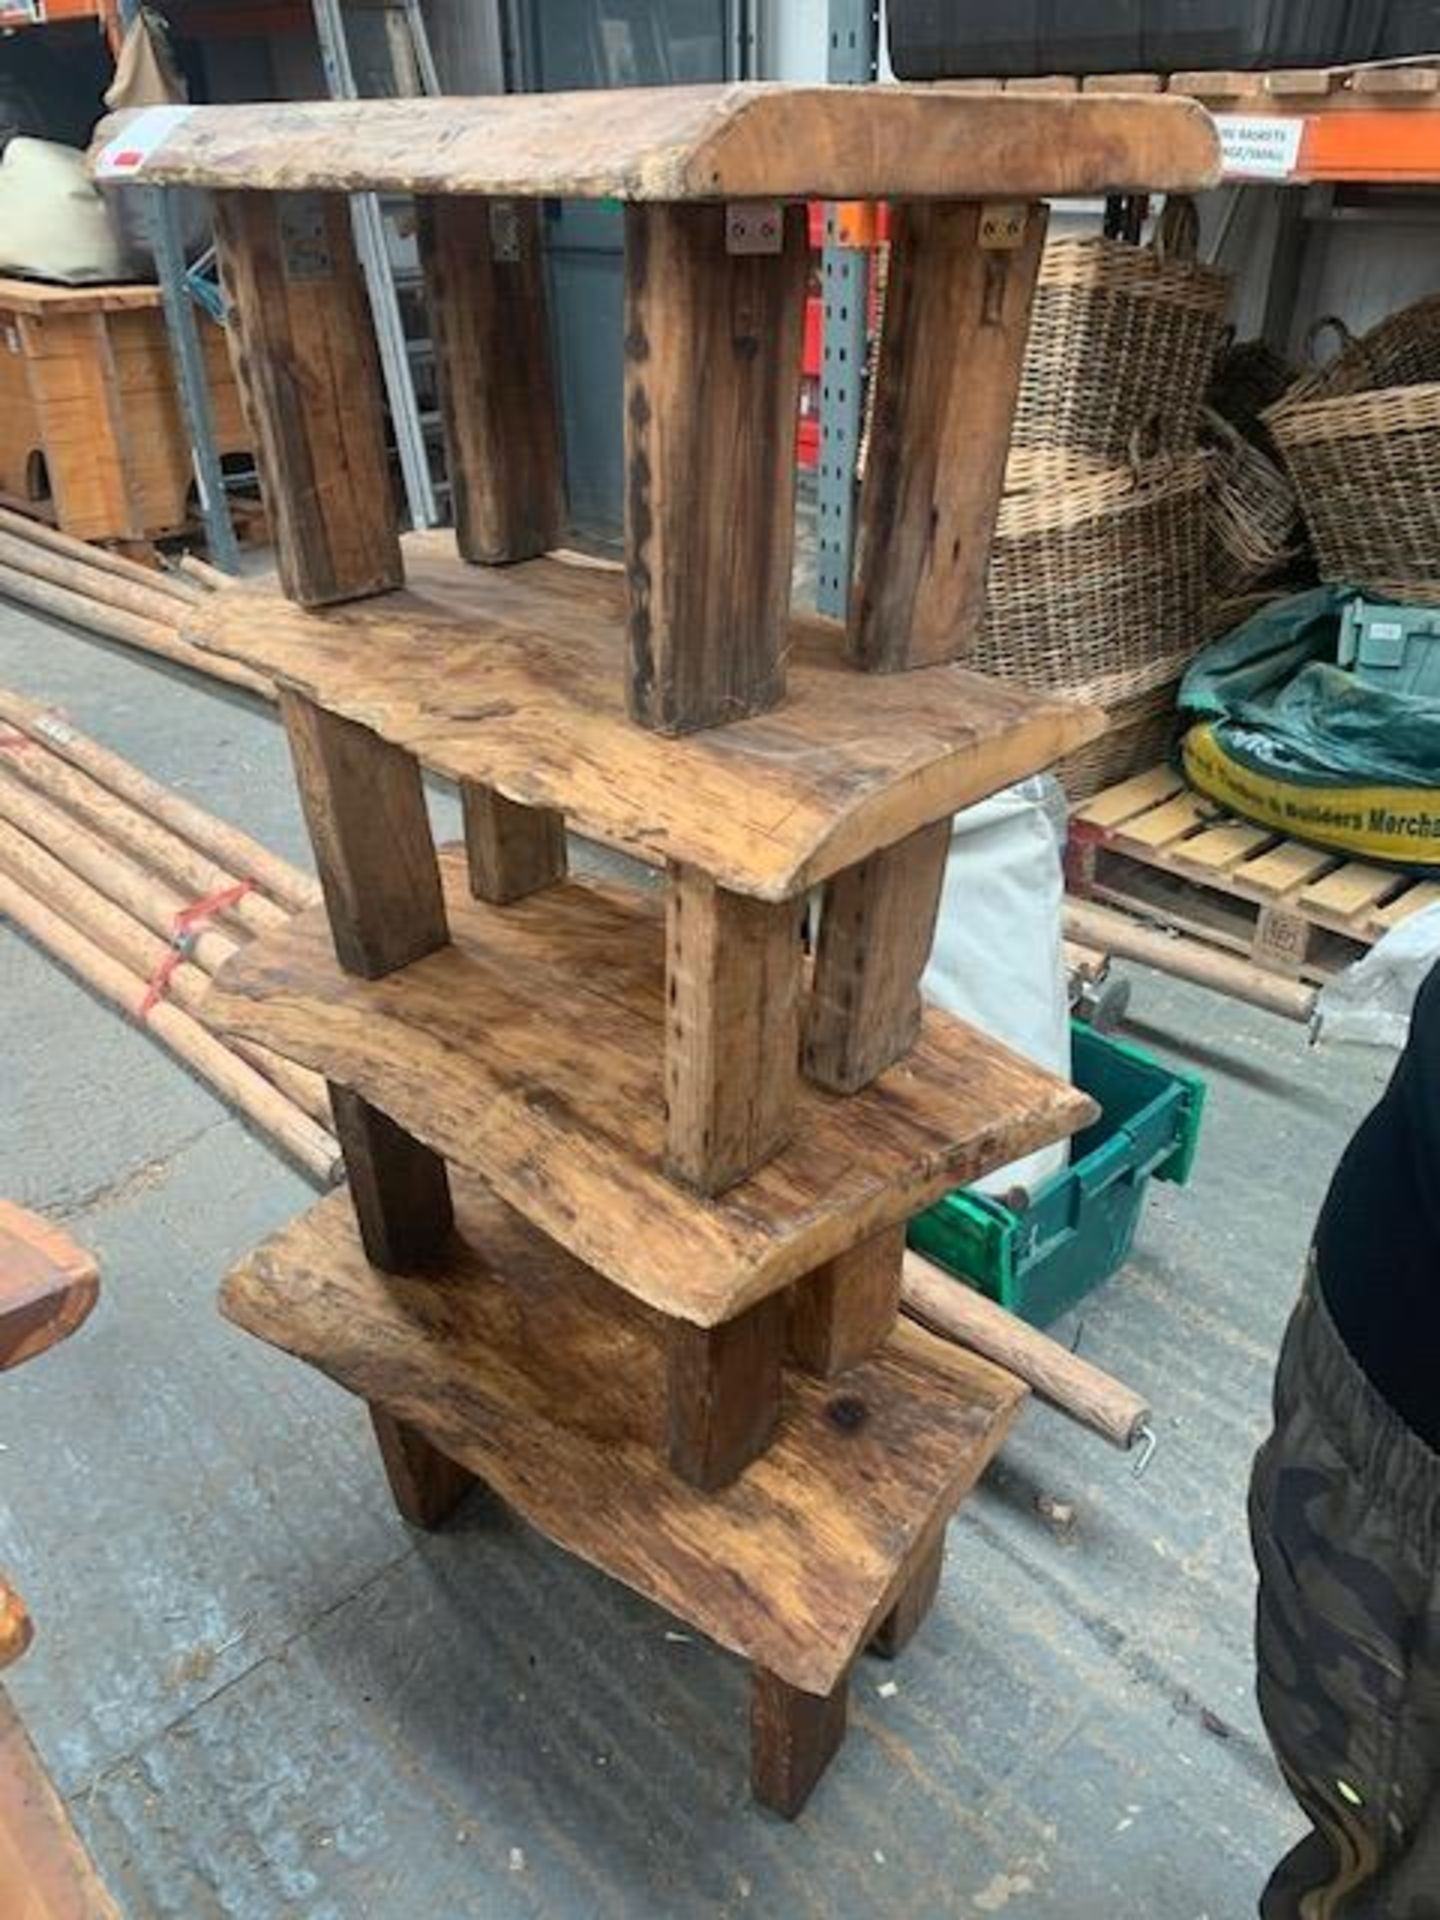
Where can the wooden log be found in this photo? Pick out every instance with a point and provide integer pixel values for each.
(427, 1487)
(48, 1286)
(723, 1393)
(842, 1312)
(45, 1872)
(947, 1306)
(17, 1629)
(100, 559)
(237, 852)
(877, 925)
(512, 850)
(239, 1084)
(309, 376)
(151, 636)
(136, 833)
(400, 1188)
(128, 596)
(732, 1030)
(957, 316)
(151, 958)
(906, 1617)
(484, 269)
(202, 573)
(1187, 959)
(150, 901)
(364, 804)
(793, 1738)
(712, 388)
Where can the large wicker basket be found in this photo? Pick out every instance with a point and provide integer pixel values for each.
(1361, 438)
(1100, 583)
(1140, 734)
(1251, 521)
(1122, 338)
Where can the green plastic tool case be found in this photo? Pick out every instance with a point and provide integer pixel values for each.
(1080, 1223)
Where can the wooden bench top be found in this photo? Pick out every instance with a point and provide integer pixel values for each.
(731, 142)
(37, 298)
(514, 677)
(514, 1361)
(530, 1050)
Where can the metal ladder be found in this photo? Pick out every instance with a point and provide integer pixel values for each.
(414, 68)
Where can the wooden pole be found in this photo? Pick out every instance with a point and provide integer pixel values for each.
(1187, 959)
(225, 844)
(100, 558)
(145, 898)
(151, 636)
(139, 835)
(310, 1146)
(126, 940)
(112, 590)
(950, 1308)
(201, 571)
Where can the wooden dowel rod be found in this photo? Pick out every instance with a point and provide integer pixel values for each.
(234, 850)
(309, 1145)
(150, 603)
(203, 573)
(110, 872)
(1073, 1386)
(139, 835)
(123, 937)
(101, 559)
(151, 636)
(1117, 933)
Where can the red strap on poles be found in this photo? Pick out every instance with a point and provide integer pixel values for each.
(183, 929)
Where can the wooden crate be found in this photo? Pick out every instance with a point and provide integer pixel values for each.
(91, 433)
(629, 1177)
(1154, 847)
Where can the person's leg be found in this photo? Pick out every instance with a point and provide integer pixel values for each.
(1345, 1520)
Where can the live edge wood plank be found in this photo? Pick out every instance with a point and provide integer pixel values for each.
(687, 143)
(514, 677)
(530, 1049)
(48, 1285)
(712, 384)
(514, 1363)
(485, 286)
(45, 1872)
(309, 377)
(957, 316)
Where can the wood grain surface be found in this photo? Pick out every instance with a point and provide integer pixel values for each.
(693, 143)
(48, 1285)
(530, 1049)
(527, 1371)
(514, 677)
(45, 1872)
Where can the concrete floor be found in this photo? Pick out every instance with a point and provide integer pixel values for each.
(263, 1697)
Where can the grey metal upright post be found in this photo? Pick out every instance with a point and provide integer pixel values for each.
(845, 284)
(162, 230)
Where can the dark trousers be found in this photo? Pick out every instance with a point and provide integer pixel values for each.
(1345, 1521)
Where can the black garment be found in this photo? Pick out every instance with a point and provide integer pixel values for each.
(1345, 1519)
(1377, 1245)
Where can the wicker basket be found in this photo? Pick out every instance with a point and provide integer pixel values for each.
(1119, 336)
(1099, 582)
(1249, 377)
(1361, 439)
(1251, 519)
(1140, 735)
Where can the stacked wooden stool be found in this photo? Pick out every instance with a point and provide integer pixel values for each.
(629, 1174)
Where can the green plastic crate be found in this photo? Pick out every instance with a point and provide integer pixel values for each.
(1080, 1224)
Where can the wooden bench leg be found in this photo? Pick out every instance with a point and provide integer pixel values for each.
(904, 1619)
(876, 929)
(364, 804)
(723, 1391)
(512, 850)
(732, 1030)
(957, 315)
(309, 376)
(843, 1311)
(426, 1484)
(399, 1187)
(712, 357)
(485, 287)
(793, 1738)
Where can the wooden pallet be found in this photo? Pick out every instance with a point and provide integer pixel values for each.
(1165, 853)
(1294, 89)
